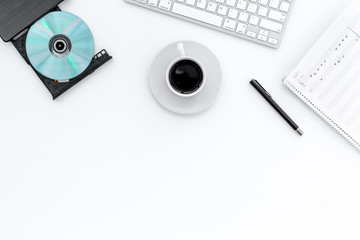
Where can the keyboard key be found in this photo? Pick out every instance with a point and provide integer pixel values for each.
(241, 5)
(222, 10)
(262, 38)
(153, 3)
(252, 8)
(201, 4)
(229, 25)
(277, 16)
(263, 11)
(273, 26)
(264, 2)
(251, 34)
(264, 32)
(273, 41)
(196, 14)
(230, 3)
(190, 2)
(243, 16)
(165, 5)
(233, 13)
(212, 7)
(285, 6)
(274, 3)
(241, 28)
(254, 20)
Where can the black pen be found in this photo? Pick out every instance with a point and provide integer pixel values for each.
(270, 100)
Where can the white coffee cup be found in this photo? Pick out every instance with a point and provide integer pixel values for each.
(185, 76)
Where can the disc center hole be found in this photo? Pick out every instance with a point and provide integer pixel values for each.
(60, 46)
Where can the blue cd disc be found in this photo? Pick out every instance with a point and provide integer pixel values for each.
(60, 46)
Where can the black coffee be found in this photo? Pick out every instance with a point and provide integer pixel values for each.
(186, 76)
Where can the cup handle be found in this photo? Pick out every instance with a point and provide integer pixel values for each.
(181, 49)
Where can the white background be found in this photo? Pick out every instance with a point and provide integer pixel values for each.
(105, 161)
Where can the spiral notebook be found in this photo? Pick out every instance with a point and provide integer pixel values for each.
(328, 77)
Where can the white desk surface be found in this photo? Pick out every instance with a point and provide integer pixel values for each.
(103, 161)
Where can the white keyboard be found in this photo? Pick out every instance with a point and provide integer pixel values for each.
(260, 21)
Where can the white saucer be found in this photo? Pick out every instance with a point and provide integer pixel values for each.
(186, 105)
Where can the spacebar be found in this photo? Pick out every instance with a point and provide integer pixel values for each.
(197, 14)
